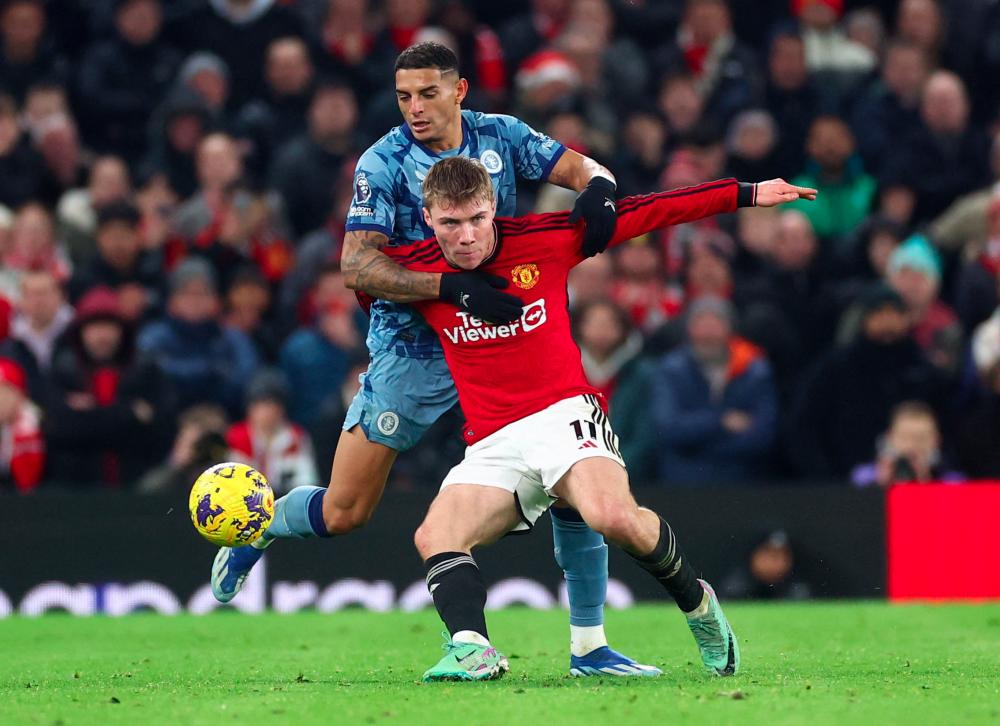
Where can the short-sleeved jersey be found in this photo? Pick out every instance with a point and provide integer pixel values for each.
(388, 199)
(506, 372)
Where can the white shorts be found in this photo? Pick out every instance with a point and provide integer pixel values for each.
(530, 456)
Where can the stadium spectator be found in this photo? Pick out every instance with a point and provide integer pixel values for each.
(909, 452)
(977, 435)
(178, 129)
(714, 406)
(33, 244)
(614, 71)
(315, 358)
(278, 448)
(207, 76)
(946, 156)
(922, 22)
(109, 181)
(347, 42)
(976, 284)
(828, 49)
(530, 31)
(248, 309)
(122, 264)
(239, 32)
(592, 279)
(26, 56)
(791, 97)
(478, 49)
(769, 572)
(914, 271)
(682, 106)
(640, 286)
(22, 169)
(41, 318)
(58, 142)
(783, 303)
(888, 109)
(109, 410)
(124, 77)
(846, 400)
(307, 168)
(846, 192)
(546, 82)
(724, 70)
(200, 443)
(278, 114)
(206, 361)
(22, 445)
(610, 349)
(641, 152)
(751, 145)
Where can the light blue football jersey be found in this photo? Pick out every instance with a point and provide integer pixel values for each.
(388, 199)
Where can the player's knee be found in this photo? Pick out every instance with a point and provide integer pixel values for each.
(341, 520)
(616, 523)
(423, 540)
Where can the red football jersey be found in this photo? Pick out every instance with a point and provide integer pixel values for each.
(506, 372)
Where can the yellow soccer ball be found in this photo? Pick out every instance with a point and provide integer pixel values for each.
(231, 504)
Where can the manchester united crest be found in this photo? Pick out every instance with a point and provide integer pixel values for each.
(525, 276)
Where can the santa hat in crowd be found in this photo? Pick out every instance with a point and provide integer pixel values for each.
(547, 66)
(837, 6)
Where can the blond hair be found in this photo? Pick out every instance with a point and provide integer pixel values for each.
(455, 181)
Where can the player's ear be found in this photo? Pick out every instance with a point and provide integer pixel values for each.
(427, 216)
(461, 90)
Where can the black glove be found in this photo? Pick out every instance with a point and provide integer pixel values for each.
(595, 205)
(479, 294)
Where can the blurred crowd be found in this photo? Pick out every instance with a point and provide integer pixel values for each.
(174, 178)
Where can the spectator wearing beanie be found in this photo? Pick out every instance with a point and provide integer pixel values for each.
(206, 361)
(845, 401)
(110, 410)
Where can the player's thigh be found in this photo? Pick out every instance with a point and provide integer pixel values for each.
(465, 515)
(359, 472)
(596, 487)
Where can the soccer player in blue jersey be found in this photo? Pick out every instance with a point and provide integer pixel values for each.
(407, 386)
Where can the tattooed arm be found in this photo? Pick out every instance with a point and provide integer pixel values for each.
(368, 269)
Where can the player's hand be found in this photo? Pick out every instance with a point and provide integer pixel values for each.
(479, 294)
(773, 192)
(595, 205)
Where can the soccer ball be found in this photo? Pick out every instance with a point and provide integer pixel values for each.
(231, 504)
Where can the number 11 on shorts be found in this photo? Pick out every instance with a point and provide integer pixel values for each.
(578, 429)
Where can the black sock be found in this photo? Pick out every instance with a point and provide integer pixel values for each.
(458, 591)
(668, 566)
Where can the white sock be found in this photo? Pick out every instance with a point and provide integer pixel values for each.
(701, 609)
(470, 636)
(585, 638)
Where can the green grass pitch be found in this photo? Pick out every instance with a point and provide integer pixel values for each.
(844, 663)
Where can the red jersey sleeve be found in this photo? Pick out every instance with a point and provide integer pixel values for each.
(638, 215)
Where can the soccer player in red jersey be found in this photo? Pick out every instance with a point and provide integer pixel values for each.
(536, 430)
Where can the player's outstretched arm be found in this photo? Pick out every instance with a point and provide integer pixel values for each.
(773, 192)
(368, 269)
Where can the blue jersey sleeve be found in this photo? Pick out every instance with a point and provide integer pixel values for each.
(373, 206)
(534, 153)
